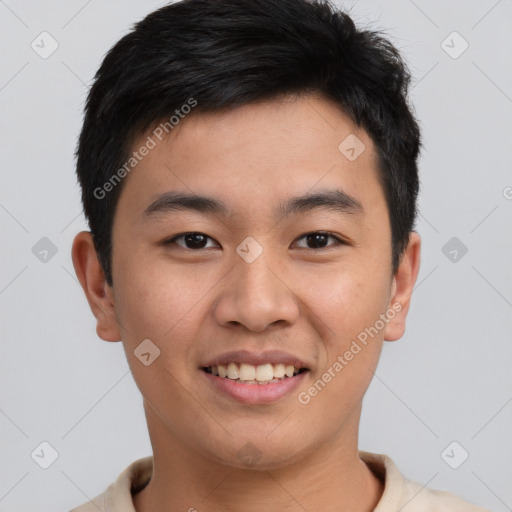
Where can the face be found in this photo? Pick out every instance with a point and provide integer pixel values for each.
(266, 299)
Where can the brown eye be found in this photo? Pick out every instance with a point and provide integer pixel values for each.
(319, 240)
(192, 240)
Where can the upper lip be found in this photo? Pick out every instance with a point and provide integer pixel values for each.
(255, 358)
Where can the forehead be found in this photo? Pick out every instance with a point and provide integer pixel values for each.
(253, 156)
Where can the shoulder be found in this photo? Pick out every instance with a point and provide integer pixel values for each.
(93, 505)
(118, 496)
(408, 496)
(417, 497)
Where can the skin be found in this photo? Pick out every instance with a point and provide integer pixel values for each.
(195, 304)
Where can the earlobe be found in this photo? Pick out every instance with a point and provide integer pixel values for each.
(97, 291)
(402, 287)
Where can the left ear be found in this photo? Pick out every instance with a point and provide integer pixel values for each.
(402, 287)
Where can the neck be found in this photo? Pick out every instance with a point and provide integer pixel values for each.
(332, 478)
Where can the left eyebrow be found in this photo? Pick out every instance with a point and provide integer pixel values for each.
(336, 200)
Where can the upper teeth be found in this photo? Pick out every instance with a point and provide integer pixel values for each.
(248, 372)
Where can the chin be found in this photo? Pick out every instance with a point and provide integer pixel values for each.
(257, 453)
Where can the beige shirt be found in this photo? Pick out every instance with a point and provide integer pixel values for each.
(400, 494)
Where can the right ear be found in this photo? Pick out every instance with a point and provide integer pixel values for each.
(99, 293)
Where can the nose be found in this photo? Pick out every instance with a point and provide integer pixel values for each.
(256, 295)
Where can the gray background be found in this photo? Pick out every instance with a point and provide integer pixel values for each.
(447, 380)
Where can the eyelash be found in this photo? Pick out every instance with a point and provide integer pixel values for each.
(338, 242)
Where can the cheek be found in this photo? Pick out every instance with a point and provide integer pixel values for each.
(348, 298)
(351, 304)
(158, 301)
(352, 345)
(155, 294)
(163, 306)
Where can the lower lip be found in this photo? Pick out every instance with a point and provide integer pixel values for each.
(255, 393)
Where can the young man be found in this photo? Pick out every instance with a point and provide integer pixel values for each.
(249, 173)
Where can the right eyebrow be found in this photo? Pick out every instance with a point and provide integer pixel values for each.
(174, 201)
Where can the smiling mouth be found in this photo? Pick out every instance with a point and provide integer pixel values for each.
(245, 373)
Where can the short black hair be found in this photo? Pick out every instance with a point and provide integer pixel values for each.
(212, 55)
